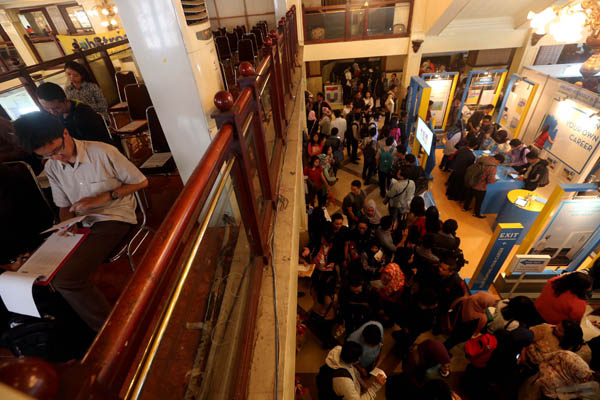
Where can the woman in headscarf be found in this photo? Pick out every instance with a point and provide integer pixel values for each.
(472, 318)
(558, 372)
(372, 214)
(547, 339)
(428, 360)
(392, 285)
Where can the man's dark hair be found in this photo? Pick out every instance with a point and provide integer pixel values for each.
(514, 142)
(51, 91)
(401, 149)
(488, 107)
(389, 141)
(356, 183)
(37, 129)
(573, 338)
(336, 216)
(386, 222)
(472, 142)
(532, 155)
(372, 132)
(334, 131)
(500, 158)
(372, 335)
(488, 117)
(351, 352)
(337, 113)
(403, 114)
(363, 220)
(320, 94)
(449, 226)
(410, 158)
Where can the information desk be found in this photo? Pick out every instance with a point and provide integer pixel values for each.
(517, 210)
(496, 192)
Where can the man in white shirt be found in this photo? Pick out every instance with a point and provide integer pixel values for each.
(85, 178)
(339, 123)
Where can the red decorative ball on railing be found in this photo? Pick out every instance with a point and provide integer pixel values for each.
(268, 41)
(223, 100)
(246, 69)
(32, 376)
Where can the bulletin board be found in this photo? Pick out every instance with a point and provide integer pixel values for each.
(517, 101)
(416, 106)
(443, 85)
(483, 87)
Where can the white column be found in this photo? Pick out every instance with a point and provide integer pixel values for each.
(413, 59)
(15, 31)
(176, 84)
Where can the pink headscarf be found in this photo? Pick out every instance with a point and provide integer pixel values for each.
(474, 308)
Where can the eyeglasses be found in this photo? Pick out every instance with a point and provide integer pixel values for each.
(56, 151)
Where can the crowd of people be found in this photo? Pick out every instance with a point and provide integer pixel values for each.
(399, 268)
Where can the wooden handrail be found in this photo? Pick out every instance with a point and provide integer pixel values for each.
(119, 339)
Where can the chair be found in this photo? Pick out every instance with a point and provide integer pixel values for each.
(252, 38)
(159, 145)
(223, 31)
(138, 100)
(223, 48)
(246, 51)
(126, 245)
(262, 25)
(233, 41)
(124, 78)
(258, 34)
(24, 170)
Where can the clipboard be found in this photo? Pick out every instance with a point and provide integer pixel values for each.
(82, 231)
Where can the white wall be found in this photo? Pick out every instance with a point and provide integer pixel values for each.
(360, 48)
(236, 8)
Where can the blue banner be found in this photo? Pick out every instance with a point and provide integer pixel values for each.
(505, 237)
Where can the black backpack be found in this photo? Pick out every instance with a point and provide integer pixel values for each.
(325, 382)
(33, 337)
(369, 151)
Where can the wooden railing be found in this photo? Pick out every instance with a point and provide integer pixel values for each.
(356, 21)
(120, 360)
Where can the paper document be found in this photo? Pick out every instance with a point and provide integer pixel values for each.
(156, 160)
(16, 291)
(66, 224)
(16, 287)
(376, 371)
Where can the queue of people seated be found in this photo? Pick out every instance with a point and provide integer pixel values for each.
(87, 175)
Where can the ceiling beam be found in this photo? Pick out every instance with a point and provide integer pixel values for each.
(520, 18)
(451, 12)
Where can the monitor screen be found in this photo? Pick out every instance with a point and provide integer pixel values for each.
(424, 135)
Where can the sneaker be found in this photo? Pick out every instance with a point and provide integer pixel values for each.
(479, 216)
(466, 209)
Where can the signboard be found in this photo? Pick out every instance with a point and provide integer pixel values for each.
(575, 134)
(334, 95)
(524, 263)
(440, 93)
(424, 135)
(573, 224)
(87, 42)
(504, 238)
(514, 108)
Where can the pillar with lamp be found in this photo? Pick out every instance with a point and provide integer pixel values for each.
(108, 14)
(567, 24)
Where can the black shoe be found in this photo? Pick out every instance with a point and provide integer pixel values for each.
(354, 162)
(466, 209)
(479, 216)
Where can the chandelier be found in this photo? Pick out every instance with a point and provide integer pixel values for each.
(107, 13)
(567, 24)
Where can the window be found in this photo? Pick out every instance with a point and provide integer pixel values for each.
(36, 22)
(76, 19)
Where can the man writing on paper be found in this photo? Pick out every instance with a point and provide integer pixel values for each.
(85, 178)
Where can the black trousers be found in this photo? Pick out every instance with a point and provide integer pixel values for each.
(479, 196)
(461, 333)
(384, 182)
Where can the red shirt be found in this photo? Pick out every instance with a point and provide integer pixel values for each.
(555, 309)
(314, 175)
(541, 140)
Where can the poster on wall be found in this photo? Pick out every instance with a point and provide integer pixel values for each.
(569, 230)
(487, 97)
(473, 96)
(515, 106)
(574, 136)
(440, 92)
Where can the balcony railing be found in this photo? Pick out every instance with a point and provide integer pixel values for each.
(357, 20)
(184, 324)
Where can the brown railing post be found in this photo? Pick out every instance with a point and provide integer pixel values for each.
(29, 85)
(34, 50)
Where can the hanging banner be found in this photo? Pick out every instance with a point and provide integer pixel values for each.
(573, 224)
(334, 95)
(575, 134)
(504, 238)
(440, 93)
(87, 42)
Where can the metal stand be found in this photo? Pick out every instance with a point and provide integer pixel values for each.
(512, 290)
